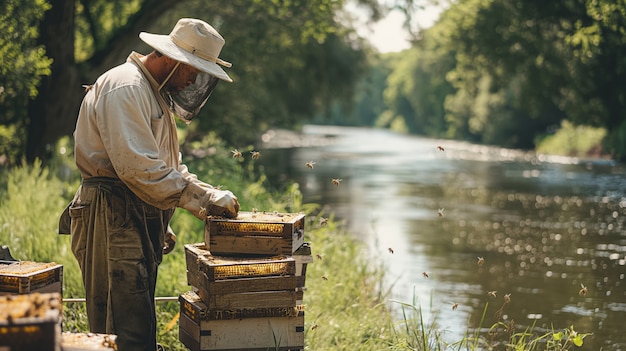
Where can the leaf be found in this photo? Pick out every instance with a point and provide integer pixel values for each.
(578, 340)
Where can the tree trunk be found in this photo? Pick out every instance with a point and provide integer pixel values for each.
(53, 112)
(126, 39)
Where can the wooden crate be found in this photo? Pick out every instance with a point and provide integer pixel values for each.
(30, 322)
(274, 278)
(226, 283)
(255, 233)
(23, 277)
(199, 333)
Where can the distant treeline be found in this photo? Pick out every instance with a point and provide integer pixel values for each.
(501, 72)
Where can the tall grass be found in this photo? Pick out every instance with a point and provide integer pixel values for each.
(347, 304)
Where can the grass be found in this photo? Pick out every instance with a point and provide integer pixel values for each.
(347, 304)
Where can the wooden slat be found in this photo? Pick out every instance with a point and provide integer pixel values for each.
(194, 308)
(233, 286)
(266, 299)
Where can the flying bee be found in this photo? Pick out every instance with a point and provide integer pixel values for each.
(236, 153)
(309, 164)
(319, 257)
(87, 87)
(324, 277)
(455, 306)
(323, 221)
(492, 293)
(440, 212)
(255, 154)
(583, 291)
(440, 148)
(480, 262)
(425, 274)
(390, 250)
(507, 298)
(314, 326)
(336, 181)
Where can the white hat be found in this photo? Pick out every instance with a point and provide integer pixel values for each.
(193, 42)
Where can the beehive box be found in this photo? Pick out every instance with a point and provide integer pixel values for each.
(256, 233)
(226, 283)
(22, 277)
(197, 331)
(30, 322)
(88, 342)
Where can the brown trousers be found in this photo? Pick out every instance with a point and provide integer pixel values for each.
(118, 241)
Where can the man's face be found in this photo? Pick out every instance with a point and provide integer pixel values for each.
(184, 76)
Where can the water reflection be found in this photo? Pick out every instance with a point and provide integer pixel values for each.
(544, 227)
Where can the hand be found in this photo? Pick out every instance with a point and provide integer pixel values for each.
(224, 203)
(202, 200)
(169, 241)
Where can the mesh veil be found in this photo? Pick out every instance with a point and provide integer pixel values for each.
(187, 103)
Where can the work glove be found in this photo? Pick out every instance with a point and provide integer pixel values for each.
(169, 241)
(203, 200)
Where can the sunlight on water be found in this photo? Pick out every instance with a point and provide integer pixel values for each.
(471, 224)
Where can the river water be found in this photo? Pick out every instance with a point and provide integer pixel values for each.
(453, 221)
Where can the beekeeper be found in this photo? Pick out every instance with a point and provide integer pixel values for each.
(126, 148)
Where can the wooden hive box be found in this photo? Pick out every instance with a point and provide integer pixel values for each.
(30, 322)
(198, 332)
(255, 233)
(23, 277)
(234, 283)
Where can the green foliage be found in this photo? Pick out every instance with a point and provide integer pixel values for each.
(286, 68)
(344, 295)
(97, 22)
(505, 72)
(23, 64)
(571, 140)
(30, 206)
(24, 61)
(291, 61)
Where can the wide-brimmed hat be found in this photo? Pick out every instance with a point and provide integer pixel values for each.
(193, 42)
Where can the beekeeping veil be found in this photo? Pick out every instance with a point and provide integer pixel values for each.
(198, 44)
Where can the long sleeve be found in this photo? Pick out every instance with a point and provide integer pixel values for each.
(123, 133)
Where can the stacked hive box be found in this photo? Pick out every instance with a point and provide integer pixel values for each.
(30, 305)
(25, 277)
(248, 280)
(30, 322)
(31, 311)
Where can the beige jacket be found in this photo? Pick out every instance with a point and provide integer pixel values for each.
(125, 130)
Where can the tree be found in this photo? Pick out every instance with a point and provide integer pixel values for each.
(289, 59)
(24, 64)
(517, 68)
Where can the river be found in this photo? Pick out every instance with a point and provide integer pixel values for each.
(460, 227)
